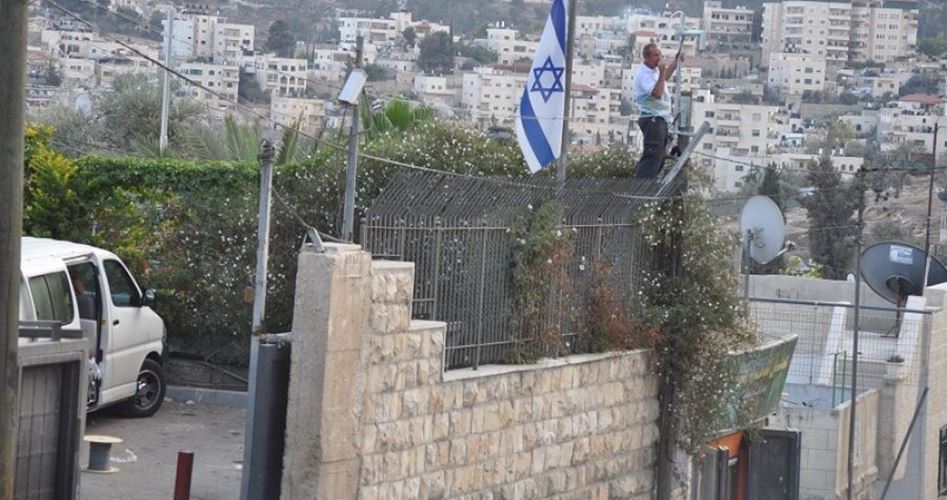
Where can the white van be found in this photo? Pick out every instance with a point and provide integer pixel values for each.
(90, 289)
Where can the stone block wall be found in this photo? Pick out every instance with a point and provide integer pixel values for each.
(934, 414)
(823, 473)
(579, 427)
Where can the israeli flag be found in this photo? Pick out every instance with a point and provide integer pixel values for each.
(539, 121)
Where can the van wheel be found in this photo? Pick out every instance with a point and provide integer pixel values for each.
(150, 393)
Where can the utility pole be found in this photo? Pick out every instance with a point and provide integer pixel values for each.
(166, 89)
(566, 108)
(348, 216)
(12, 102)
(855, 330)
(265, 157)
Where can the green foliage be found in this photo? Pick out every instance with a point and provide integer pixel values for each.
(281, 40)
(131, 111)
(692, 295)
(396, 116)
(437, 53)
(848, 98)
(248, 89)
(922, 83)
(745, 97)
(540, 286)
(377, 73)
(483, 55)
(830, 210)
(49, 200)
(409, 36)
(934, 47)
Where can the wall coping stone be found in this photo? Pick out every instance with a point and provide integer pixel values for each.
(542, 364)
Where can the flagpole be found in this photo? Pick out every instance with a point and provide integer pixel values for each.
(567, 107)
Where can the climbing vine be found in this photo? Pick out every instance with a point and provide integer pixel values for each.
(693, 295)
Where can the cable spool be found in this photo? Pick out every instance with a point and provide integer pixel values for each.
(100, 454)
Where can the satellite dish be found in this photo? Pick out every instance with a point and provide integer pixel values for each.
(762, 222)
(895, 270)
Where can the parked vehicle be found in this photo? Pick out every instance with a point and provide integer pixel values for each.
(90, 289)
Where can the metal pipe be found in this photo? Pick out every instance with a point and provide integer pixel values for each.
(855, 327)
(182, 478)
(566, 111)
(267, 152)
(930, 201)
(847, 305)
(166, 86)
(351, 170)
(904, 442)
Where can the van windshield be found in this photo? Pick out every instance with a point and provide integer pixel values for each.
(52, 297)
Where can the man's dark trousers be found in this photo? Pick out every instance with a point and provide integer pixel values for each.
(655, 132)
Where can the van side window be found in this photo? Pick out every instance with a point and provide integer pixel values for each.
(52, 297)
(86, 285)
(26, 309)
(124, 293)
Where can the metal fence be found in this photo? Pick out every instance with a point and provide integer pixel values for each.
(457, 233)
(891, 341)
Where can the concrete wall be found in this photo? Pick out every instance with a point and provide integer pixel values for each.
(935, 411)
(372, 415)
(824, 461)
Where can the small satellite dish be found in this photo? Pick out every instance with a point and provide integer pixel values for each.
(895, 270)
(762, 222)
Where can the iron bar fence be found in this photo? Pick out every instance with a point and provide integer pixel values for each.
(457, 231)
(891, 341)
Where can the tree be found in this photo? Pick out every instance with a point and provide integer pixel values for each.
(409, 36)
(830, 210)
(281, 39)
(921, 83)
(437, 55)
(131, 111)
(52, 76)
(934, 47)
(483, 55)
(377, 73)
(248, 89)
(744, 97)
(848, 98)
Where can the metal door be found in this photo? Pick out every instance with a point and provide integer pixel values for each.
(774, 466)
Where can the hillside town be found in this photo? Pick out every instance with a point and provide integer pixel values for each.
(505, 249)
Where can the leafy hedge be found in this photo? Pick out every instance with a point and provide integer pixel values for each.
(188, 229)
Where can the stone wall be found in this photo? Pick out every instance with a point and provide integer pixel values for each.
(935, 411)
(391, 424)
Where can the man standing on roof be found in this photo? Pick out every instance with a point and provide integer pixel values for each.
(654, 103)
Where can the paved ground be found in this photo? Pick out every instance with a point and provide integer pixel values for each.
(148, 456)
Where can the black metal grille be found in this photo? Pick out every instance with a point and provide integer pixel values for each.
(457, 232)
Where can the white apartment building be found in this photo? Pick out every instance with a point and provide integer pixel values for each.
(383, 32)
(663, 31)
(911, 120)
(883, 31)
(796, 73)
(491, 95)
(808, 26)
(436, 91)
(219, 78)
(281, 76)
(725, 26)
(504, 42)
(78, 71)
(329, 64)
(308, 112)
(859, 30)
(198, 34)
(108, 68)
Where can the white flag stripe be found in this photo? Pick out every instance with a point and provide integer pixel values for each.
(542, 106)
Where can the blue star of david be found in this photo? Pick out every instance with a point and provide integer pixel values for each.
(556, 86)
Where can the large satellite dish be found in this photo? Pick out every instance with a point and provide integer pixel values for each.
(896, 270)
(762, 226)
